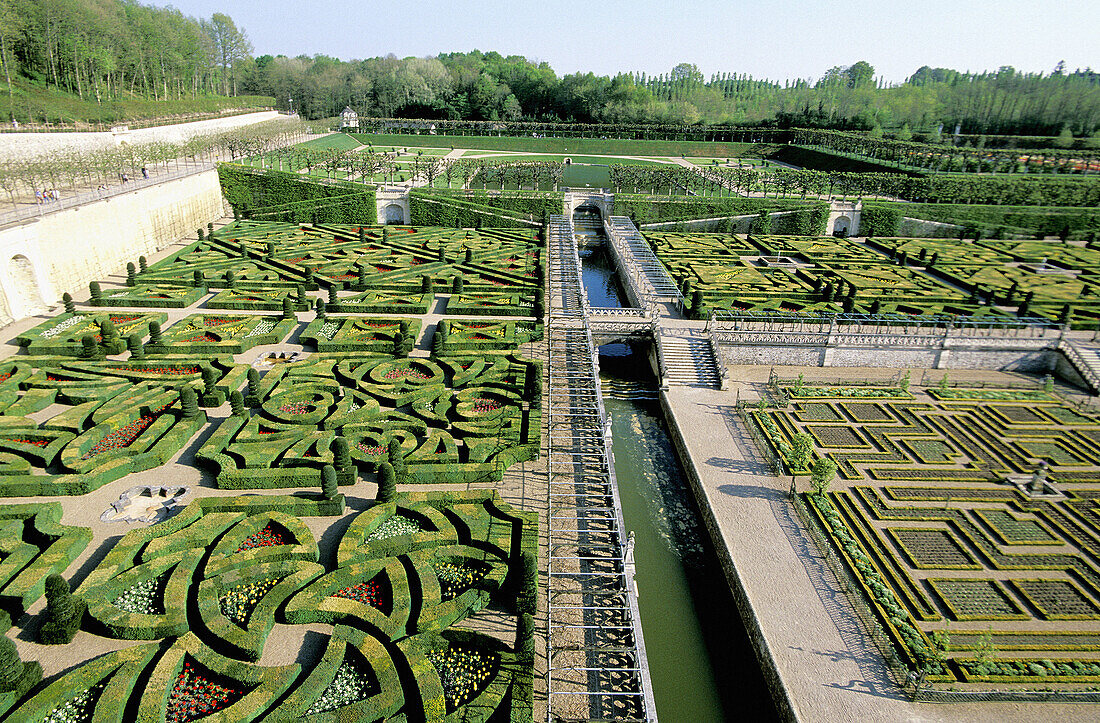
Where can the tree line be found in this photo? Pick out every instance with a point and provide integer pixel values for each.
(104, 49)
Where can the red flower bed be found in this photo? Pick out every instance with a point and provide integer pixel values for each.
(482, 405)
(269, 536)
(373, 451)
(404, 372)
(368, 593)
(120, 438)
(160, 370)
(296, 408)
(35, 442)
(205, 338)
(4, 377)
(123, 319)
(220, 320)
(195, 696)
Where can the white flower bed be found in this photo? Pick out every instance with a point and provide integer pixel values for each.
(67, 324)
(349, 686)
(396, 525)
(266, 326)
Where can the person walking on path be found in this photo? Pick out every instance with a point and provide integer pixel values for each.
(144, 173)
(38, 197)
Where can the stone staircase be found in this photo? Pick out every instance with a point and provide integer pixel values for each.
(1086, 359)
(689, 362)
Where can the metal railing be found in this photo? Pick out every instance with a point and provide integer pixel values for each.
(100, 194)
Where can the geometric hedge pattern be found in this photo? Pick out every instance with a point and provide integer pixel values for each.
(85, 407)
(210, 585)
(921, 515)
(939, 277)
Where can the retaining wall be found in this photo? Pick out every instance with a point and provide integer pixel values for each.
(42, 257)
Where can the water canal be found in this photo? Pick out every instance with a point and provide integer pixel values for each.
(700, 659)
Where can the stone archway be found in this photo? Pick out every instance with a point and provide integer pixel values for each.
(25, 298)
(394, 214)
(842, 226)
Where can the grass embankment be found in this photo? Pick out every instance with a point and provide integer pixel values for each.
(33, 103)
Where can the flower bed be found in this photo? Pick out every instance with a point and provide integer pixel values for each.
(120, 438)
(238, 602)
(79, 709)
(197, 694)
(456, 578)
(368, 593)
(350, 685)
(269, 536)
(463, 671)
(393, 527)
(146, 597)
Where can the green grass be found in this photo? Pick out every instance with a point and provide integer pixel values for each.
(596, 160)
(34, 103)
(339, 141)
(593, 146)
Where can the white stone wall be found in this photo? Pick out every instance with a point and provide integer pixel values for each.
(23, 145)
(67, 249)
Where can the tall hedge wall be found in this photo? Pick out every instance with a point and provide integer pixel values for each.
(651, 209)
(480, 209)
(883, 219)
(280, 196)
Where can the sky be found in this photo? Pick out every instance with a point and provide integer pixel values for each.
(775, 39)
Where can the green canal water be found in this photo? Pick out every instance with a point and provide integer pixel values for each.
(700, 659)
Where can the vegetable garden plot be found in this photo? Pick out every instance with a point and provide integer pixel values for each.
(926, 523)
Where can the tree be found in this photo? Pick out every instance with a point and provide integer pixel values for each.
(525, 638)
(230, 46)
(329, 489)
(63, 612)
(11, 667)
(860, 74)
(822, 474)
(387, 482)
(133, 344)
(236, 404)
(1064, 138)
(527, 598)
(189, 402)
(802, 448)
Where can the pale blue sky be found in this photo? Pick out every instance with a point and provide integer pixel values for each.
(769, 38)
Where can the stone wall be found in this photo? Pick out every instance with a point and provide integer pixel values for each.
(43, 257)
(1019, 360)
(22, 145)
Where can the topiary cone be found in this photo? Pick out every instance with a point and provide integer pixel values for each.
(328, 482)
(387, 482)
(11, 667)
(67, 300)
(189, 402)
(236, 404)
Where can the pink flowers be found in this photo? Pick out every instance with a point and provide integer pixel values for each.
(483, 405)
(174, 371)
(404, 372)
(372, 451)
(296, 408)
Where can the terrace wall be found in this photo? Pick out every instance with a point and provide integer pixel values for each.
(42, 257)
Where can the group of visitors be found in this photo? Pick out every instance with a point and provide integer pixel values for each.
(45, 196)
